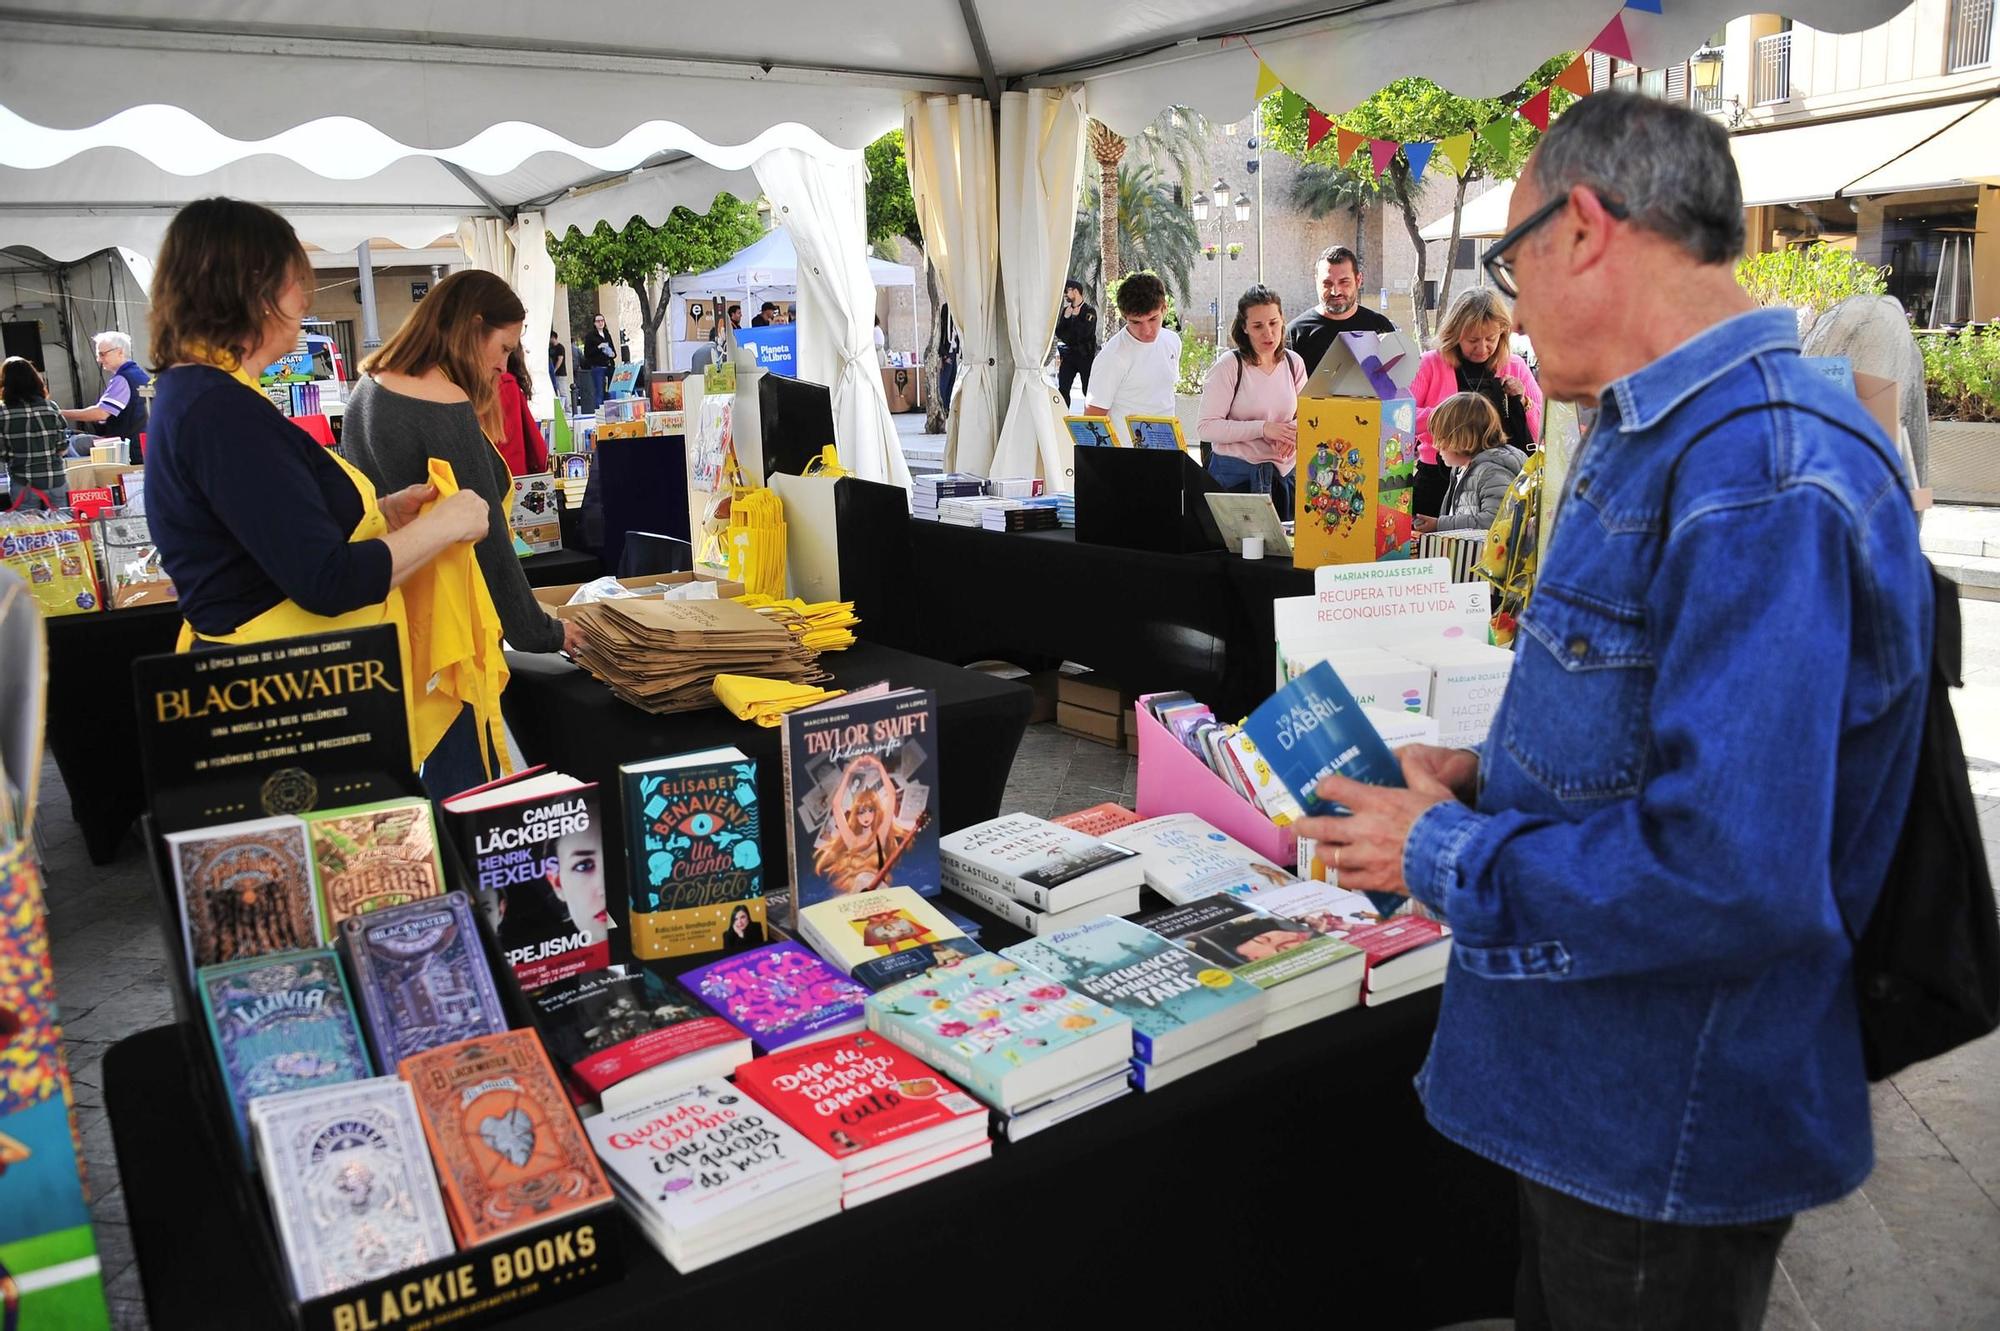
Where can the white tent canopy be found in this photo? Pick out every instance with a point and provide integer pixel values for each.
(1483, 218)
(773, 262)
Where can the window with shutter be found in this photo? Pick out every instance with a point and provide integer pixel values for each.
(1677, 82)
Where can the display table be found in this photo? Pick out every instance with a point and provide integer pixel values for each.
(563, 717)
(1296, 1180)
(1148, 621)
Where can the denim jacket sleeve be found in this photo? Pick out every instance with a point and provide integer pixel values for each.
(1721, 860)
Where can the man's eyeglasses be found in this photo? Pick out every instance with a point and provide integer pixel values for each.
(1501, 269)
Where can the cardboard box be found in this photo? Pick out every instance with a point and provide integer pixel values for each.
(1375, 677)
(1467, 683)
(557, 598)
(1093, 692)
(1041, 683)
(1357, 453)
(1107, 727)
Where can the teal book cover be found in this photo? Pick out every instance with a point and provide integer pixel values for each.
(985, 1017)
(1163, 989)
(281, 1023)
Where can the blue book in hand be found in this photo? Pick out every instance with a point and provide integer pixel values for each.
(1312, 729)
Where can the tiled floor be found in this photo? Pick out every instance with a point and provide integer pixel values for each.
(1917, 1249)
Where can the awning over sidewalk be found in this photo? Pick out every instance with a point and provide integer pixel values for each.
(1821, 161)
(1965, 152)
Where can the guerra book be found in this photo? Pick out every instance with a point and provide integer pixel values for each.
(245, 889)
(1185, 859)
(1040, 863)
(861, 778)
(1296, 963)
(691, 853)
(1405, 953)
(531, 840)
(350, 1183)
(1023, 916)
(508, 1148)
(1312, 729)
(708, 1172)
(779, 995)
(625, 1035)
(1008, 1033)
(371, 856)
(879, 938)
(871, 1106)
(1176, 1002)
(420, 976)
(280, 1023)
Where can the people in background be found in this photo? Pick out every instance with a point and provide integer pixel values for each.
(432, 391)
(1250, 403)
(524, 449)
(1135, 373)
(766, 315)
(1471, 442)
(1076, 330)
(947, 358)
(558, 368)
(1655, 866)
(1474, 355)
(265, 533)
(735, 316)
(1339, 311)
(709, 352)
(881, 343)
(31, 437)
(600, 357)
(120, 412)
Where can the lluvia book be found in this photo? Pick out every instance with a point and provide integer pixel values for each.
(420, 977)
(371, 856)
(282, 1022)
(1040, 863)
(1176, 1002)
(779, 995)
(246, 889)
(1011, 1035)
(879, 938)
(861, 781)
(624, 1035)
(534, 842)
(1185, 859)
(692, 853)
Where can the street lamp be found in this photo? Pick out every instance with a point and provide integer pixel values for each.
(1223, 200)
(1221, 193)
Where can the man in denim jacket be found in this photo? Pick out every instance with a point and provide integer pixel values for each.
(1691, 791)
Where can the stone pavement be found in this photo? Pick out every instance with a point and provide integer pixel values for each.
(1916, 1249)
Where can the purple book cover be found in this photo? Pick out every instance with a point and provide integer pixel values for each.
(421, 977)
(779, 995)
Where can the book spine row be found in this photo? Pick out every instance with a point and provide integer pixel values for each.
(993, 901)
(968, 871)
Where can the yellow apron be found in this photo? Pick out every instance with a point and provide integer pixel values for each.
(447, 630)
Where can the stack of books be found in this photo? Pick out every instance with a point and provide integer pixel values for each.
(1014, 487)
(1019, 515)
(969, 511)
(1066, 507)
(1186, 1014)
(708, 1172)
(883, 937)
(623, 1036)
(780, 995)
(1407, 952)
(1033, 1048)
(928, 492)
(1305, 974)
(1186, 859)
(663, 656)
(890, 1120)
(1038, 875)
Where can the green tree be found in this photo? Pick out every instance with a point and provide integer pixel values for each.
(646, 258)
(892, 213)
(1417, 110)
(1155, 231)
(1810, 278)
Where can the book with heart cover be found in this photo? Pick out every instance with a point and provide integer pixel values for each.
(508, 1149)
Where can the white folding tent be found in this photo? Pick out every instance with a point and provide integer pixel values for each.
(771, 263)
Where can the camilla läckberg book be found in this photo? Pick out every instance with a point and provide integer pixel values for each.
(693, 859)
(861, 784)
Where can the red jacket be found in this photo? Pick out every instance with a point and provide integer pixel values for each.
(526, 452)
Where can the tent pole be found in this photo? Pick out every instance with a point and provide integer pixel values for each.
(371, 329)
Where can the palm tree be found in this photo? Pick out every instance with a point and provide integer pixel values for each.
(1177, 144)
(1319, 189)
(1109, 149)
(1153, 230)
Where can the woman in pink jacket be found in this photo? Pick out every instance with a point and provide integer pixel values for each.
(1473, 356)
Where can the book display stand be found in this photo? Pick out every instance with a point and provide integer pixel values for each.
(1144, 499)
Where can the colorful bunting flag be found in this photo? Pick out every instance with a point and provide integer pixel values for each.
(1267, 82)
(1644, 6)
(1536, 110)
(1499, 135)
(1345, 142)
(1317, 128)
(1418, 155)
(1613, 41)
(1383, 151)
(1576, 78)
(1457, 150)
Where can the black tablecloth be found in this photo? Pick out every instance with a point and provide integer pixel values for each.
(1149, 621)
(563, 717)
(558, 568)
(1298, 1179)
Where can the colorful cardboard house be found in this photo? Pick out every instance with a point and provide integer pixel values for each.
(1357, 453)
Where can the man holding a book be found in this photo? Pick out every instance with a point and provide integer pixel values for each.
(1654, 865)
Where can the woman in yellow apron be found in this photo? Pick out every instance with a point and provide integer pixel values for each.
(265, 533)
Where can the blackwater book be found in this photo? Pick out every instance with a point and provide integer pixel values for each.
(534, 842)
(692, 855)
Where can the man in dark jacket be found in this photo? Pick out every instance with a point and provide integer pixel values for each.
(1076, 329)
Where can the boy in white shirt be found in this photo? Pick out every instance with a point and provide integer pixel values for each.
(1135, 373)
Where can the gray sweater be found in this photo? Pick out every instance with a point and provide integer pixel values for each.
(1473, 499)
(392, 437)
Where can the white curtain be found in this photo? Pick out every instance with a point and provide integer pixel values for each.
(534, 279)
(820, 204)
(949, 143)
(1041, 164)
(485, 242)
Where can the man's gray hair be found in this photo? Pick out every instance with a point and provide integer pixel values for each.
(123, 341)
(1668, 165)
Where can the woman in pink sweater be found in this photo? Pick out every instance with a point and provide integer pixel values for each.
(1250, 403)
(1473, 356)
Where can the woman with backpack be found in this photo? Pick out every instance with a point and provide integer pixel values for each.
(1250, 403)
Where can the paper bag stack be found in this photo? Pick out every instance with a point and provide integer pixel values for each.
(663, 656)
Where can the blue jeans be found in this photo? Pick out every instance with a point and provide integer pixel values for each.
(454, 765)
(1253, 478)
(600, 384)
